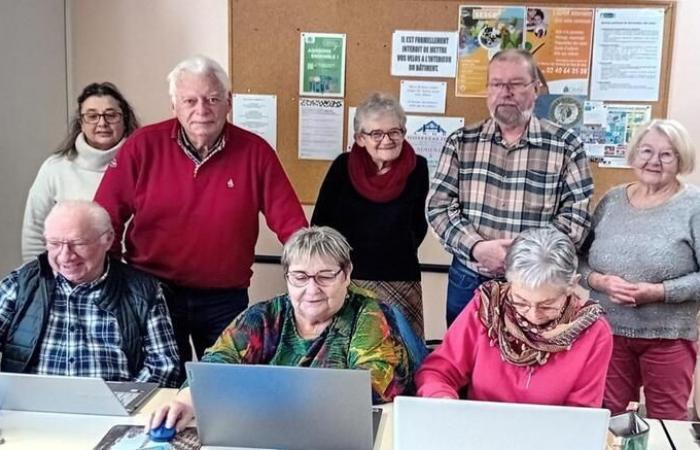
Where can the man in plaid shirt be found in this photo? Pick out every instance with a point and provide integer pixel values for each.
(503, 175)
(73, 311)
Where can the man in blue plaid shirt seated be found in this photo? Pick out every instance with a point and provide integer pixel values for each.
(75, 311)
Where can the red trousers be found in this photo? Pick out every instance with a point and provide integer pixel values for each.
(664, 367)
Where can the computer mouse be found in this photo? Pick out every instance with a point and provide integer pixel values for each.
(161, 433)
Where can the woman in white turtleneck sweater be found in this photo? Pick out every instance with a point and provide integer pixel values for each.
(103, 120)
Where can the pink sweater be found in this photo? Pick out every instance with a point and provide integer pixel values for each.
(466, 358)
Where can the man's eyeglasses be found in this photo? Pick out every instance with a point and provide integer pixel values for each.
(512, 86)
(109, 117)
(394, 134)
(75, 246)
(323, 278)
(665, 156)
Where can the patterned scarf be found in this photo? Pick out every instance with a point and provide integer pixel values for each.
(385, 187)
(522, 343)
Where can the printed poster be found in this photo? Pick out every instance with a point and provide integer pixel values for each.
(483, 32)
(608, 128)
(320, 128)
(322, 65)
(564, 110)
(423, 53)
(257, 114)
(627, 54)
(423, 96)
(427, 136)
(560, 40)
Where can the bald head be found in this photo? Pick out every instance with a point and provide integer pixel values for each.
(95, 216)
(78, 234)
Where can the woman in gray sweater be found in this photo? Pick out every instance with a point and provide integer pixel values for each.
(642, 266)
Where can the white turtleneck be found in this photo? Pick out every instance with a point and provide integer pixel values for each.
(62, 179)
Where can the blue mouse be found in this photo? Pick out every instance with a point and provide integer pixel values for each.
(161, 433)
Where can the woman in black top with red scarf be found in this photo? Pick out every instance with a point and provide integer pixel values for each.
(375, 196)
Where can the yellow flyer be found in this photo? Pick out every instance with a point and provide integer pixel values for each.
(483, 32)
(560, 41)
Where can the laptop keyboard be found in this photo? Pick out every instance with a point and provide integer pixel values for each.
(126, 397)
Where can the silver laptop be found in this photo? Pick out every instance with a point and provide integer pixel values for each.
(281, 407)
(74, 395)
(421, 423)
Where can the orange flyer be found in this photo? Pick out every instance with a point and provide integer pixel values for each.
(560, 41)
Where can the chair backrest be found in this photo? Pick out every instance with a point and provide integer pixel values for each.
(415, 346)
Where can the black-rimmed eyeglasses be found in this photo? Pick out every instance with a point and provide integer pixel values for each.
(394, 134)
(109, 117)
(512, 86)
(324, 278)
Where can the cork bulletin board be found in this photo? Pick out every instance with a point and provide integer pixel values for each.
(264, 59)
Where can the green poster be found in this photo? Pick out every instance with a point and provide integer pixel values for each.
(322, 65)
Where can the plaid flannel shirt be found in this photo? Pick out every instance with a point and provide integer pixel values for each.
(83, 340)
(484, 189)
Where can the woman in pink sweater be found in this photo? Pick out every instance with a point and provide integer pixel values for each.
(529, 339)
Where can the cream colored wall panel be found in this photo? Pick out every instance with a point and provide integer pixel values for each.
(33, 112)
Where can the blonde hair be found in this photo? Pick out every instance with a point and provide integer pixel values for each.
(320, 242)
(676, 134)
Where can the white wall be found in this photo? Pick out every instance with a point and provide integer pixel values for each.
(135, 43)
(33, 113)
(684, 102)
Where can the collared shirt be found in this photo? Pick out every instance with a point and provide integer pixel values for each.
(191, 151)
(485, 189)
(81, 339)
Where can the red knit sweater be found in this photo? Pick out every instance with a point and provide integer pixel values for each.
(197, 226)
(575, 377)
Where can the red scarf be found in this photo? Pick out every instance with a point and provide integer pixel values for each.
(385, 187)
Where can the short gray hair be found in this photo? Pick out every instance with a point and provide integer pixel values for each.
(518, 54)
(198, 64)
(97, 216)
(540, 256)
(376, 105)
(676, 133)
(321, 242)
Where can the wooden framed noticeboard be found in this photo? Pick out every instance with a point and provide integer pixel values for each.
(265, 60)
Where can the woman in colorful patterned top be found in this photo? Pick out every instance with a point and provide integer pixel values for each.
(528, 340)
(318, 323)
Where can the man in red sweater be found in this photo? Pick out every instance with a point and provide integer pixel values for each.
(193, 187)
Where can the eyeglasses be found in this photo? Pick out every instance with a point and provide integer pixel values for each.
(323, 278)
(665, 156)
(550, 308)
(512, 86)
(378, 135)
(109, 116)
(77, 246)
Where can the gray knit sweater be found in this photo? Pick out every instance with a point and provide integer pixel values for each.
(660, 244)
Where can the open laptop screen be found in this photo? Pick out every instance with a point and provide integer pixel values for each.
(421, 423)
(281, 407)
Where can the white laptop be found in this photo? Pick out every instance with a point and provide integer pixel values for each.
(423, 423)
(74, 395)
(251, 406)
